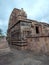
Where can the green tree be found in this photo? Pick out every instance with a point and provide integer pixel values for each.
(1, 34)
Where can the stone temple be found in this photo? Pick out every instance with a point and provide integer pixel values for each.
(27, 34)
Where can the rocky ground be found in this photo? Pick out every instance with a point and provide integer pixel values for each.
(20, 57)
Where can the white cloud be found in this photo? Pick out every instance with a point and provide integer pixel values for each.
(1, 23)
(40, 10)
(35, 9)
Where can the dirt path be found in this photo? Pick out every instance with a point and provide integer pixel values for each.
(4, 47)
(18, 57)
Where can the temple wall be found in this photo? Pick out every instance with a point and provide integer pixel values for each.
(27, 34)
(38, 45)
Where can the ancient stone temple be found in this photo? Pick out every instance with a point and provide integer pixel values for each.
(28, 34)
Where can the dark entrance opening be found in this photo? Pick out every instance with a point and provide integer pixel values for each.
(37, 29)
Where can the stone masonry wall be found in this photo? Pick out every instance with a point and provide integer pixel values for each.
(39, 45)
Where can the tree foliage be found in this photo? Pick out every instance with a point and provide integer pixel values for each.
(1, 32)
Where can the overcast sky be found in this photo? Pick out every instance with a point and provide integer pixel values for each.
(35, 9)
